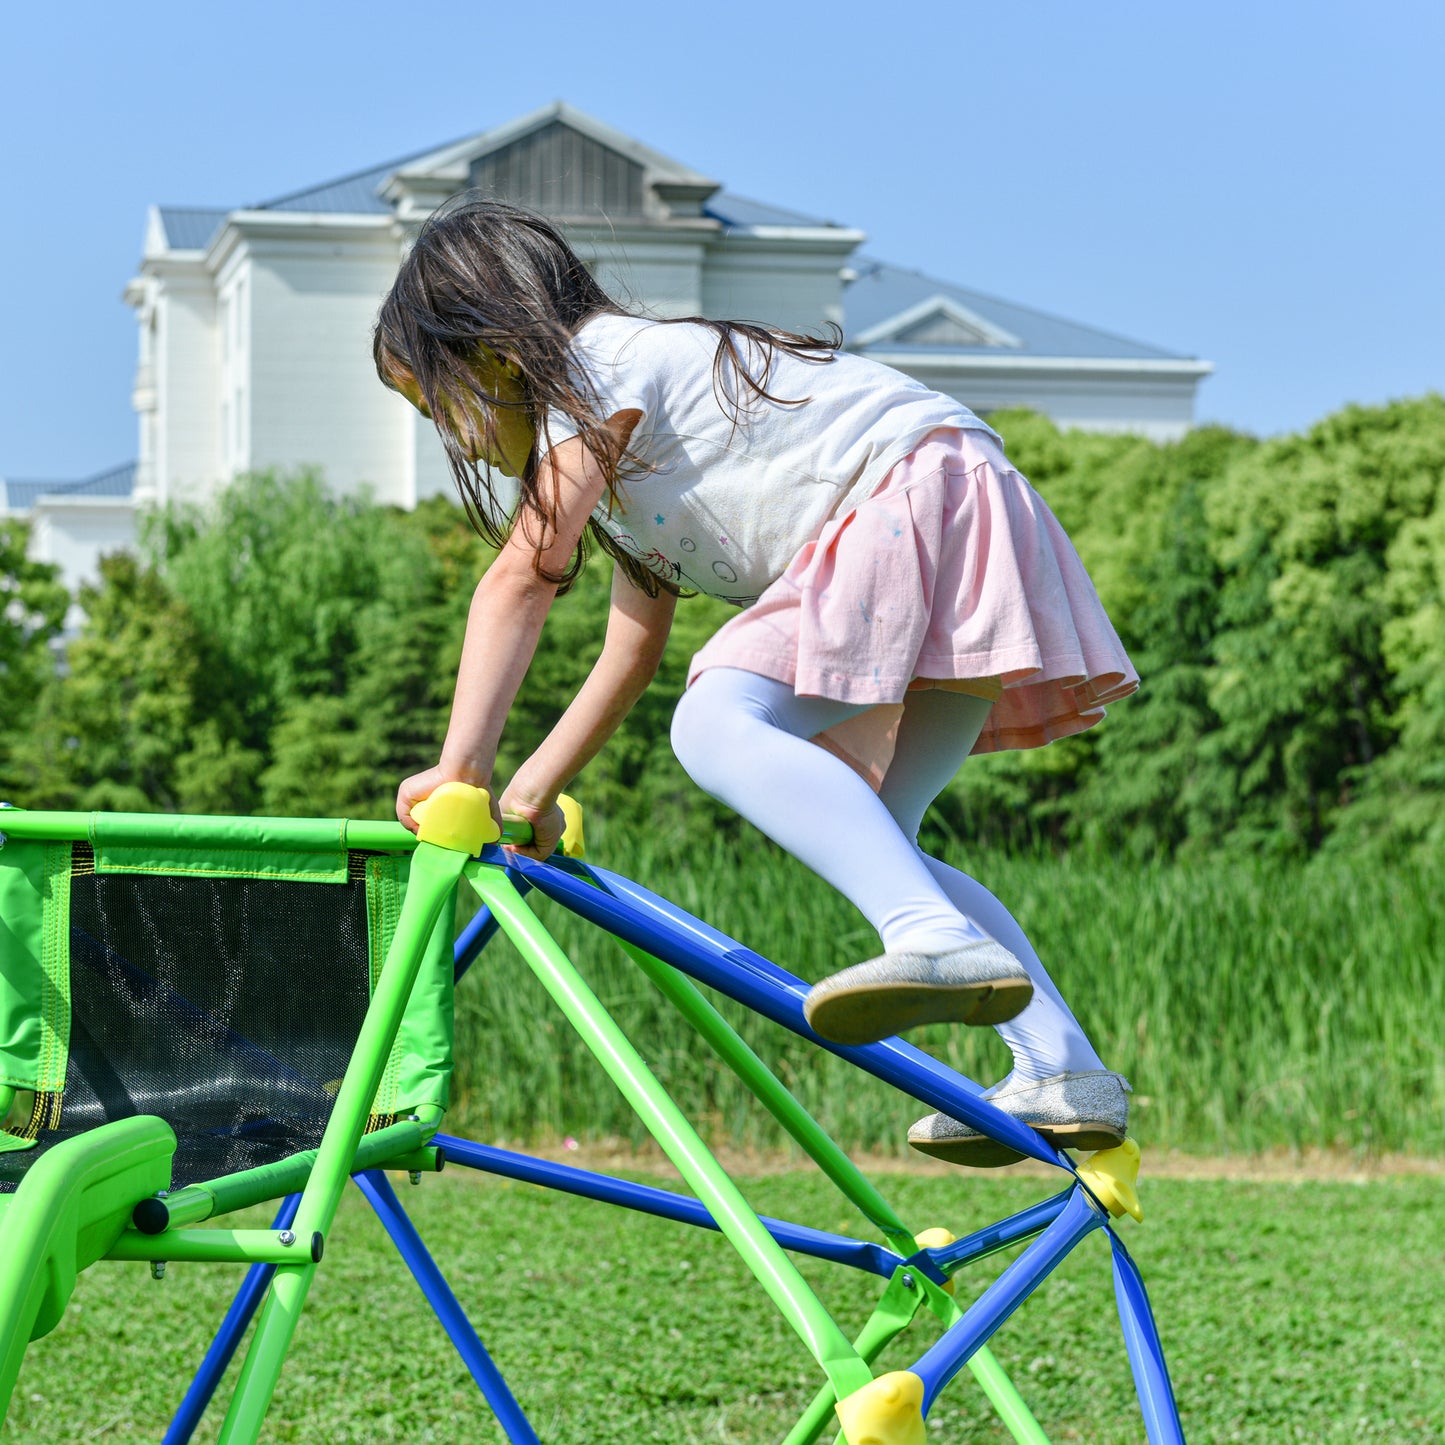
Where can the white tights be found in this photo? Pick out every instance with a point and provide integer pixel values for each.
(744, 739)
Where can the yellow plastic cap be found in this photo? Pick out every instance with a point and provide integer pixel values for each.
(457, 816)
(937, 1238)
(572, 833)
(888, 1411)
(1110, 1175)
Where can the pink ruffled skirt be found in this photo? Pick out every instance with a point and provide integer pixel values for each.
(954, 573)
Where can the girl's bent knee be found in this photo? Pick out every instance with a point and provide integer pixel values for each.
(689, 735)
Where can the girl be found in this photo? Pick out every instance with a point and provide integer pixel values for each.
(908, 599)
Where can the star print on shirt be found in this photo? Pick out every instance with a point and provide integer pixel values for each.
(659, 519)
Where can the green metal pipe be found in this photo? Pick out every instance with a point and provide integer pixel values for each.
(279, 1317)
(189, 830)
(434, 874)
(778, 1101)
(1005, 1398)
(896, 1307)
(214, 1246)
(271, 1181)
(772, 1267)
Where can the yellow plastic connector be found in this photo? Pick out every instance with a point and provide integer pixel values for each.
(889, 1411)
(937, 1238)
(1110, 1175)
(572, 833)
(457, 816)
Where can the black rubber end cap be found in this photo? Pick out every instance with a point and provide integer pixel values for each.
(151, 1216)
(318, 1247)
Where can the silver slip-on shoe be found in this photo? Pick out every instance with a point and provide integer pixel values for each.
(1088, 1110)
(980, 983)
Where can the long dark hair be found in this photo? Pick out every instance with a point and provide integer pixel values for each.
(485, 273)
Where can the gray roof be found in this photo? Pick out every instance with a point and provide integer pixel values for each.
(190, 228)
(882, 291)
(879, 293)
(353, 195)
(735, 211)
(113, 482)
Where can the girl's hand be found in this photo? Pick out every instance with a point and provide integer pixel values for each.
(547, 822)
(423, 785)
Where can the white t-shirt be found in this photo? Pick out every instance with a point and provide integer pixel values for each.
(729, 504)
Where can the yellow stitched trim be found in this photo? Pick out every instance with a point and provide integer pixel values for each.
(171, 870)
(55, 974)
(387, 873)
(44, 1114)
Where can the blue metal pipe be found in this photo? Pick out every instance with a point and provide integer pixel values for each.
(837, 1248)
(482, 928)
(994, 1237)
(1146, 1354)
(650, 922)
(472, 940)
(228, 1337)
(382, 1198)
(949, 1355)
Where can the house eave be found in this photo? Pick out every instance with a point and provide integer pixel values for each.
(287, 225)
(1175, 368)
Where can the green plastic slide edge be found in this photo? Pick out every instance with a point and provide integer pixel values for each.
(665, 1121)
(431, 888)
(69, 1210)
(35, 1000)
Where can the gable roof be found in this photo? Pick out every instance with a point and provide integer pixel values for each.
(888, 308)
(190, 228)
(882, 301)
(359, 193)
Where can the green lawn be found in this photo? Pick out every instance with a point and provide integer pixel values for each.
(1290, 1312)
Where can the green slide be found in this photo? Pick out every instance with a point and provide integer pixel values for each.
(70, 1209)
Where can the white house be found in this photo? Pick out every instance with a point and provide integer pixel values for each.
(255, 323)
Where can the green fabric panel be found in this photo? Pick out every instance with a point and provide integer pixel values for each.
(385, 887)
(228, 862)
(423, 1050)
(34, 964)
(419, 1069)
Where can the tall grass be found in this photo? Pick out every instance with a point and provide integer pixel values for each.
(1253, 1006)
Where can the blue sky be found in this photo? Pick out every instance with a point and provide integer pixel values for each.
(1256, 184)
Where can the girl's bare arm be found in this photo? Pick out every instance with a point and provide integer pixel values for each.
(637, 630)
(508, 609)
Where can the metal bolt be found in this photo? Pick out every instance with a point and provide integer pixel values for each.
(287, 1238)
(413, 1118)
(415, 1176)
(908, 1281)
(158, 1269)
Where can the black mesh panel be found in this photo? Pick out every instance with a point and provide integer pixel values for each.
(229, 1007)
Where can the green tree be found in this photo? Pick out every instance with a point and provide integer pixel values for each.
(1304, 531)
(33, 604)
(140, 720)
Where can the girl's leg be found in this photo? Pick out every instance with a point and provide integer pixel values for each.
(934, 738)
(744, 739)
